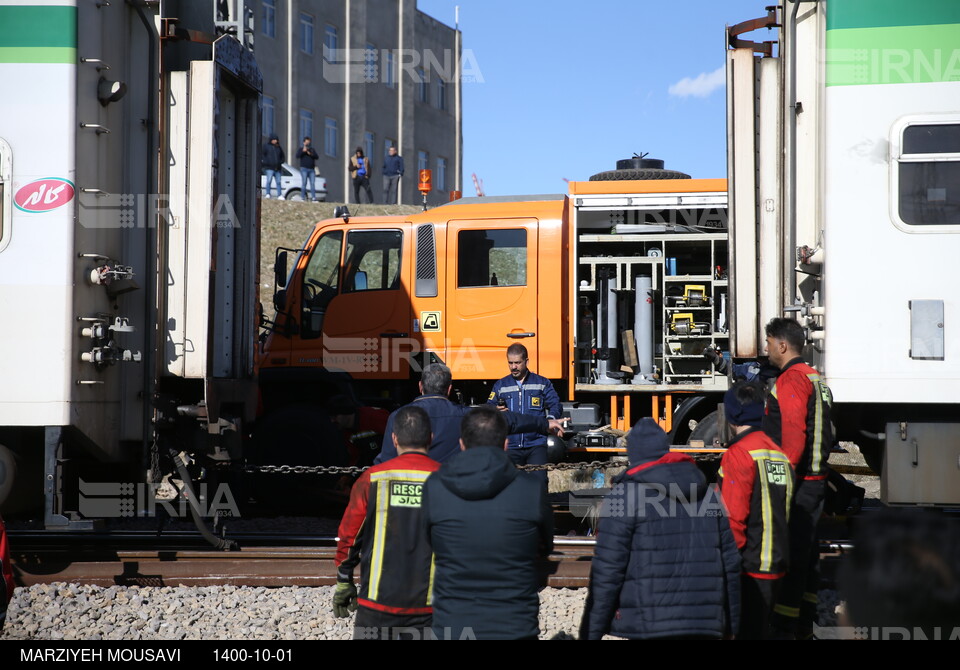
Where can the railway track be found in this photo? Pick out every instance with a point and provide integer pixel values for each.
(268, 560)
(143, 559)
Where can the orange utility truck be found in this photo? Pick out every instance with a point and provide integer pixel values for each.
(616, 289)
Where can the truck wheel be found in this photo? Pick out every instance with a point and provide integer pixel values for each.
(707, 429)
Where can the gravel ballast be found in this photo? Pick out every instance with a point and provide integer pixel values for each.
(73, 612)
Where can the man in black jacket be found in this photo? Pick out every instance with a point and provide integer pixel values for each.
(308, 162)
(272, 160)
(665, 564)
(489, 525)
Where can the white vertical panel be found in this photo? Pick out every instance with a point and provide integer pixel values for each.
(741, 157)
(200, 198)
(769, 200)
(176, 277)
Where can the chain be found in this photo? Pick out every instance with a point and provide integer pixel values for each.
(572, 466)
(155, 475)
(305, 469)
(355, 470)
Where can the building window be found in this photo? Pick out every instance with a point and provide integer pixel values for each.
(306, 33)
(270, 18)
(370, 63)
(389, 76)
(306, 123)
(423, 86)
(491, 258)
(269, 116)
(423, 160)
(441, 180)
(441, 93)
(331, 44)
(330, 137)
(369, 144)
(928, 171)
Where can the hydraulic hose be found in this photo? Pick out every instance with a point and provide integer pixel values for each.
(220, 543)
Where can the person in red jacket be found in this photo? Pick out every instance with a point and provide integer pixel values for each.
(363, 428)
(382, 530)
(756, 483)
(797, 418)
(6, 574)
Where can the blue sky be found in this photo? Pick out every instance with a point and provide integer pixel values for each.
(570, 87)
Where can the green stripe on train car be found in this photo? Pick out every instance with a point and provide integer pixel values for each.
(38, 55)
(38, 34)
(900, 55)
(843, 14)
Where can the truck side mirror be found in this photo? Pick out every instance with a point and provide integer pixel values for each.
(280, 269)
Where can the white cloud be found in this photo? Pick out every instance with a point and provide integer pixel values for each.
(700, 86)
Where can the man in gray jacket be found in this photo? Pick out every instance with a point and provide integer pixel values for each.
(392, 171)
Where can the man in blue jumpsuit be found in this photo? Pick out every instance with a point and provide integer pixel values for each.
(525, 392)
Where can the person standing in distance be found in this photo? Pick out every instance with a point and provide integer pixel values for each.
(797, 419)
(392, 171)
(308, 161)
(525, 392)
(272, 160)
(360, 173)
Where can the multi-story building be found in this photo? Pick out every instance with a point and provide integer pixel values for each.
(359, 73)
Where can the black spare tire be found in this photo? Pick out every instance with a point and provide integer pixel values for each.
(639, 168)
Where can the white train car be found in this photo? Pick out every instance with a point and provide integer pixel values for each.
(129, 243)
(845, 198)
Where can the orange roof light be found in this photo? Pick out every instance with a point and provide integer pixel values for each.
(425, 185)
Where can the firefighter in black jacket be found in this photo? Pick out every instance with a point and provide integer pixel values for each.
(383, 532)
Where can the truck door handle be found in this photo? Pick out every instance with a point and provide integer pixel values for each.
(519, 336)
(393, 335)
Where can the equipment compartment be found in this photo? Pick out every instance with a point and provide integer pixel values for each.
(649, 304)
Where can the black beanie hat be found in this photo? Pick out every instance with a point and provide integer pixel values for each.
(646, 442)
(738, 414)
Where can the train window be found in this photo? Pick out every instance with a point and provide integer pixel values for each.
(928, 174)
(372, 261)
(491, 258)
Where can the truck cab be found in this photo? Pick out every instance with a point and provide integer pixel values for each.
(372, 299)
